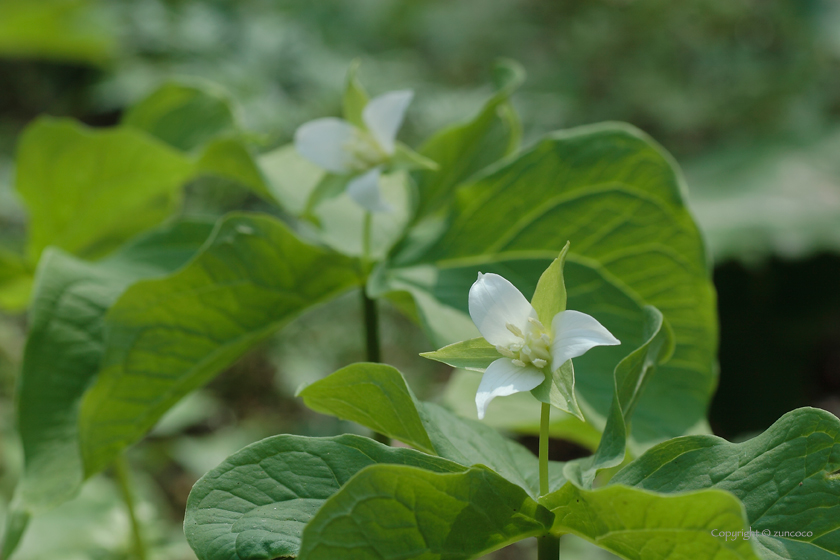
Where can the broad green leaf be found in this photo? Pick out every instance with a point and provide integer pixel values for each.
(15, 527)
(463, 149)
(341, 219)
(390, 407)
(786, 477)
(472, 443)
(475, 354)
(355, 97)
(618, 198)
(632, 375)
(634, 372)
(256, 503)
(88, 191)
(184, 115)
(558, 390)
(421, 296)
(231, 159)
(550, 294)
(167, 337)
(637, 524)
(198, 117)
(516, 413)
(426, 425)
(15, 281)
(396, 512)
(63, 352)
(291, 178)
(65, 346)
(71, 30)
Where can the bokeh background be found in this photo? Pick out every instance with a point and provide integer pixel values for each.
(744, 93)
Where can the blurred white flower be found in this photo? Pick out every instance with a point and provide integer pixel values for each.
(508, 321)
(342, 148)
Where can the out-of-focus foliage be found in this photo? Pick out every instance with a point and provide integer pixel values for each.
(736, 82)
(70, 30)
(746, 94)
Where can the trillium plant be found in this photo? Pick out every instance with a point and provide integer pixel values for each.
(361, 147)
(529, 352)
(592, 313)
(361, 153)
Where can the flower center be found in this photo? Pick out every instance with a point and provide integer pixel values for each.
(531, 348)
(364, 151)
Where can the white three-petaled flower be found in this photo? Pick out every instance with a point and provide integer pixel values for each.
(342, 148)
(506, 320)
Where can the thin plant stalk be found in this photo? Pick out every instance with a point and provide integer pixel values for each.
(370, 311)
(545, 416)
(548, 546)
(123, 475)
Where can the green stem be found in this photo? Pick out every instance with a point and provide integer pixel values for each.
(370, 312)
(369, 305)
(372, 343)
(545, 414)
(366, 234)
(122, 473)
(371, 328)
(548, 547)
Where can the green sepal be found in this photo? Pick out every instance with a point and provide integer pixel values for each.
(550, 296)
(406, 158)
(558, 389)
(475, 354)
(355, 97)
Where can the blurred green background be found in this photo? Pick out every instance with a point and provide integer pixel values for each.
(744, 93)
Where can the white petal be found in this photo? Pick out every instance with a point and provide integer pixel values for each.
(384, 115)
(324, 142)
(575, 333)
(495, 302)
(503, 378)
(364, 189)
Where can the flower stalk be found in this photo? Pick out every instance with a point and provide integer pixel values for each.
(548, 545)
(370, 311)
(545, 416)
(123, 476)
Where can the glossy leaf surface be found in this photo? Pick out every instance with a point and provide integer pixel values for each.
(257, 502)
(169, 336)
